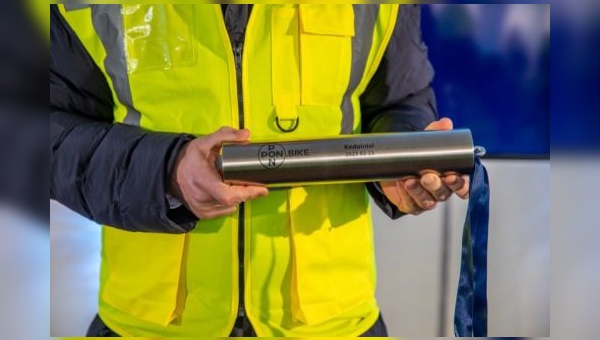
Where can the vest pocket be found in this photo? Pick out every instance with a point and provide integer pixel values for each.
(158, 37)
(142, 274)
(325, 41)
(332, 251)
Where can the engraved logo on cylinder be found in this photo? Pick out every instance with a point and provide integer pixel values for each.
(271, 156)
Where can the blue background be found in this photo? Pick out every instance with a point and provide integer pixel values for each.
(492, 65)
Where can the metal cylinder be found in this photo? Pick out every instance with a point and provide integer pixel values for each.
(349, 158)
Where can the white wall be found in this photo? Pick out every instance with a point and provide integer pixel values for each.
(24, 276)
(575, 250)
(75, 268)
(409, 261)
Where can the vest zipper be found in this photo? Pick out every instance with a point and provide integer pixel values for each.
(237, 54)
(242, 326)
(242, 321)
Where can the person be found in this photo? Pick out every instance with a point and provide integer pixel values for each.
(141, 99)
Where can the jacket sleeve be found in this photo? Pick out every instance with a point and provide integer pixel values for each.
(399, 97)
(113, 174)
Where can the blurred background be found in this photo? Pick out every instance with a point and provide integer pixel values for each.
(493, 71)
(492, 66)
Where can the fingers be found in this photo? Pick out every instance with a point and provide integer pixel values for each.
(421, 196)
(199, 184)
(442, 124)
(236, 194)
(458, 184)
(213, 204)
(408, 203)
(414, 195)
(204, 212)
(433, 183)
(227, 134)
(432, 188)
(395, 192)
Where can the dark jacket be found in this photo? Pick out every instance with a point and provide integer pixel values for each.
(117, 174)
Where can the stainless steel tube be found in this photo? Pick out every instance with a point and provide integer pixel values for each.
(352, 158)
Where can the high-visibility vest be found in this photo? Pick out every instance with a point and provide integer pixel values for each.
(309, 266)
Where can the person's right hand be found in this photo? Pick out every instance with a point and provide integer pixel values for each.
(196, 182)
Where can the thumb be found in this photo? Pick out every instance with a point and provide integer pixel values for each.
(227, 134)
(442, 124)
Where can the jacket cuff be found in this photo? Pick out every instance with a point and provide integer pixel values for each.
(144, 203)
(177, 213)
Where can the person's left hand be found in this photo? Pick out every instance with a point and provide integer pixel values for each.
(415, 195)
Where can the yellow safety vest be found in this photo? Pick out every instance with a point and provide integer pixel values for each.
(309, 258)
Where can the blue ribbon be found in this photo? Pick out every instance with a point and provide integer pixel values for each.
(470, 313)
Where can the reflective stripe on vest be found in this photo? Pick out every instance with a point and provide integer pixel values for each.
(108, 23)
(309, 251)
